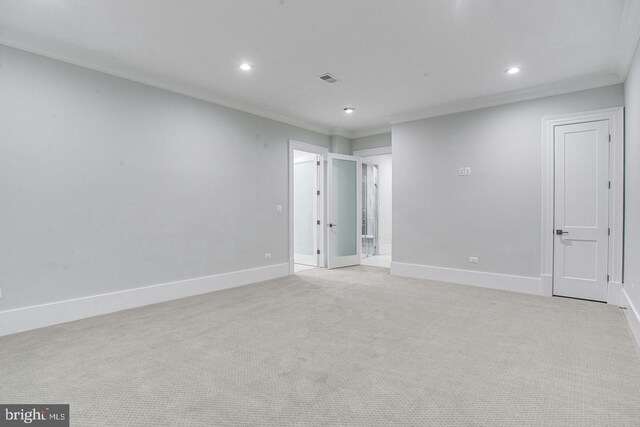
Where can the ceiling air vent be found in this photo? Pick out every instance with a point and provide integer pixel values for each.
(328, 78)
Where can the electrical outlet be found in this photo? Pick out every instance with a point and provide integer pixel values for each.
(267, 256)
(467, 171)
(279, 208)
(461, 172)
(473, 260)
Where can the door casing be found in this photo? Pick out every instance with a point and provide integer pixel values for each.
(322, 152)
(312, 159)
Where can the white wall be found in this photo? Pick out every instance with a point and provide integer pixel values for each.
(384, 163)
(632, 188)
(441, 219)
(340, 145)
(107, 184)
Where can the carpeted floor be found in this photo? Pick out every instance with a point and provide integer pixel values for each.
(352, 346)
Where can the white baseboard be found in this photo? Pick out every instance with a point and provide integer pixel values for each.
(504, 282)
(633, 316)
(614, 293)
(546, 285)
(38, 316)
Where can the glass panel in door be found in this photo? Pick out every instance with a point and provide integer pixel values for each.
(344, 224)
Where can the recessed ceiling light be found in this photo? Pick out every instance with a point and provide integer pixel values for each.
(512, 70)
(349, 110)
(246, 67)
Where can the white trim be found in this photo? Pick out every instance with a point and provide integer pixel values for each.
(38, 316)
(614, 293)
(370, 131)
(323, 153)
(504, 282)
(633, 316)
(628, 37)
(469, 104)
(616, 195)
(89, 60)
(546, 284)
(307, 157)
(373, 151)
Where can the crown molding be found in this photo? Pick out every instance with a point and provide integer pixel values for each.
(361, 132)
(370, 131)
(340, 131)
(628, 37)
(558, 88)
(85, 59)
(627, 41)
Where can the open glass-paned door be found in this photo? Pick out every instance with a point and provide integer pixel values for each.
(344, 210)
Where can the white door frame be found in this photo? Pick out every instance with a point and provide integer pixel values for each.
(616, 195)
(367, 152)
(322, 152)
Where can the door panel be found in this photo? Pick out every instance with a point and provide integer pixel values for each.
(581, 210)
(344, 212)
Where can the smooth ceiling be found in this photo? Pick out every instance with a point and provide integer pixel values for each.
(394, 59)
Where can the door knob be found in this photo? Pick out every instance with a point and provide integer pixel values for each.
(560, 232)
(332, 225)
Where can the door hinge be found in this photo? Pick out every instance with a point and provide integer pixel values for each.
(318, 163)
(318, 251)
(607, 277)
(609, 137)
(318, 222)
(318, 192)
(609, 184)
(609, 231)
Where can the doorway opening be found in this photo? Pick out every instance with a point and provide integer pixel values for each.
(306, 206)
(329, 222)
(306, 213)
(376, 207)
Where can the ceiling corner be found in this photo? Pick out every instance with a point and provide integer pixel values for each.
(628, 37)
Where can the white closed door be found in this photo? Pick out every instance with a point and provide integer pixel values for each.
(581, 234)
(344, 212)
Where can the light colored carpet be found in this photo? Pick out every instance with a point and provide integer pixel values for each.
(352, 346)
